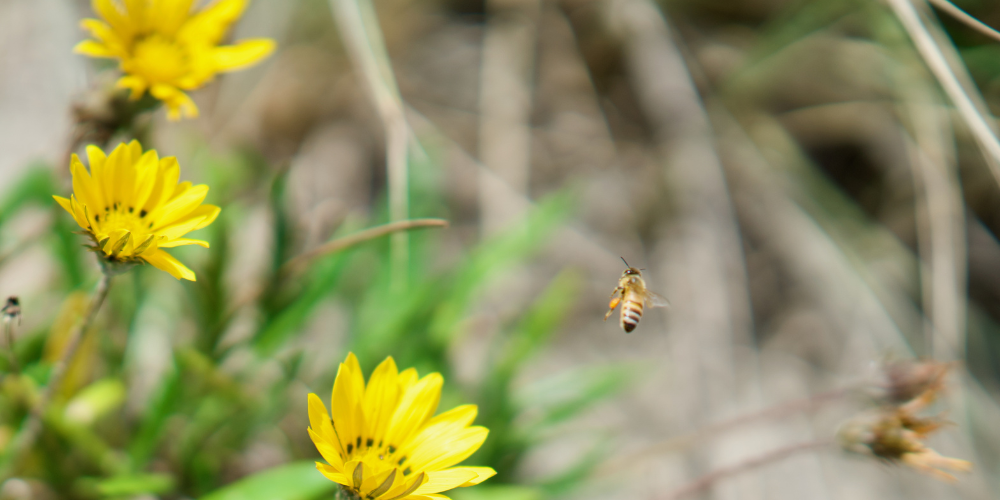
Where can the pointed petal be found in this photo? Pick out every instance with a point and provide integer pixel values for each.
(84, 187)
(444, 480)
(166, 262)
(241, 55)
(180, 242)
(381, 398)
(482, 474)
(178, 208)
(448, 450)
(166, 181)
(94, 49)
(178, 103)
(348, 391)
(333, 475)
(415, 406)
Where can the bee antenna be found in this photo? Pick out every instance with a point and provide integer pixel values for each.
(623, 260)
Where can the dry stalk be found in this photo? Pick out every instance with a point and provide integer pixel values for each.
(300, 261)
(706, 481)
(935, 59)
(683, 441)
(959, 14)
(360, 29)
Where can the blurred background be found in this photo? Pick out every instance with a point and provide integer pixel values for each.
(789, 174)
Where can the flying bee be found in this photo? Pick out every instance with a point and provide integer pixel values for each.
(633, 295)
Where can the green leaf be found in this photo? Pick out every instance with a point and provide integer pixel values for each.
(294, 481)
(538, 325)
(564, 396)
(492, 257)
(36, 185)
(135, 484)
(496, 492)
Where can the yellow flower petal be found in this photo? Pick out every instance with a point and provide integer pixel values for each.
(166, 262)
(178, 103)
(180, 242)
(415, 407)
(333, 475)
(482, 474)
(381, 397)
(383, 434)
(179, 207)
(446, 452)
(84, 187)
(348, 390)
(444, 480)
(167, 46)
(93, 49)
(241, 55)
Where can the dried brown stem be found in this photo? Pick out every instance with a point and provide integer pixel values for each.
(684, 440)
(936, 61)
(25, 439)
(371, 233)
(365, 45)
(706, 481)
(962, 16)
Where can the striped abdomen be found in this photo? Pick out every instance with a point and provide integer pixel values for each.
(631, 312)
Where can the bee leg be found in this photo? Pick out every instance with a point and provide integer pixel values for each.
(616, 298)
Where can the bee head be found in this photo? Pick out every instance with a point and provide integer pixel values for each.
(631, 272)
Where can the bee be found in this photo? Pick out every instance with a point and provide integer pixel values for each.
(633, 295)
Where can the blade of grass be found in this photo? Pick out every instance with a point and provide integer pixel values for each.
(936, 61)
(365, 44)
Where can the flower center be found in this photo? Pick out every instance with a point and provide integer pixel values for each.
(159, 59)
(128, 218)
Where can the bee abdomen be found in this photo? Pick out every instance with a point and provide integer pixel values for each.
(631, 314)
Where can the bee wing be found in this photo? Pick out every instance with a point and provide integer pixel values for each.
(654, 299)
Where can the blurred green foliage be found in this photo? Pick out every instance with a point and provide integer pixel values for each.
(204, 413)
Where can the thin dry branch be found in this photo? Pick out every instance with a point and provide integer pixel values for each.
(938, 64)
(366, 47)
(706, 481)
(371, 233)
(682, 441)
(962, 16)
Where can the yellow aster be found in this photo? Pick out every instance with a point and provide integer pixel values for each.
(166, 48)
(132, 207)
(383, 440)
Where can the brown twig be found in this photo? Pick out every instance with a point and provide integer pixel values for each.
(706, 481)
(962, 16)
(682, 441)
(371, 233)
(25, 439)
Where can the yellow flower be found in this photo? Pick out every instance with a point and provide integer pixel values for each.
(165, 48)
(383, 441)
(132, 207)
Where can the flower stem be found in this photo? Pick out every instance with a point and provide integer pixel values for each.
(26, 437)
(706, 481)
